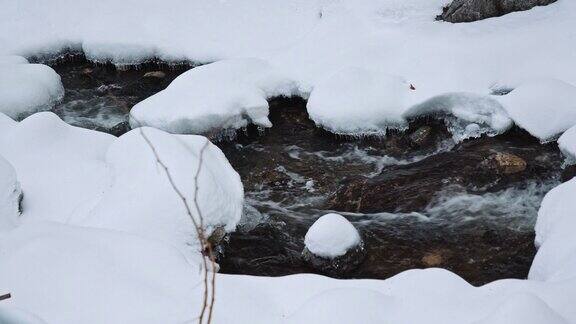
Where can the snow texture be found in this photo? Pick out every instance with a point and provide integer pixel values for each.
(331, 236)
(10, 194)
(544, 107)
(357, 101)
(226, 95)
(567, 143)
(27, 88)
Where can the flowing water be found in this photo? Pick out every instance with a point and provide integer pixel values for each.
(433, 203)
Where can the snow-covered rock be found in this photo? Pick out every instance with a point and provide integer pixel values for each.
(467, 115)
(567, 144)
(10, 196)
(140, 199)
(226, 95)
(61, 168)
(331, 236)
(357, 101)
(556, 256)
(27, 88)
(544, 107)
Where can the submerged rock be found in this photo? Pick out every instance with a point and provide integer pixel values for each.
(473, 10)
(505, 163)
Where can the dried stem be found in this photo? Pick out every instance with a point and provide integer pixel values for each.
(206, 246)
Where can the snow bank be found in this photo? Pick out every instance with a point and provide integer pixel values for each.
(467, 115)
(556, 257)
(140, 199)
(544, 107)
(27, 88)
(226, 95)
(567, 144)
(357, 101)
(10, 195)
(524, 309)
(60, 167)
(331, 236)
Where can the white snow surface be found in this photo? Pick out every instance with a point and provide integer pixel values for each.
(331, 236)
(359, 101)
(544, 107)
(567, 143)
(141, 200)
(59, 268)
(27, 88)
(9, 196)
(226, 95)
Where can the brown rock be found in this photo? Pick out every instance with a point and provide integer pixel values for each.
(506, 163)
(432, 259)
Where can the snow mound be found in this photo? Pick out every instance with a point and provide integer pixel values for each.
(556, 256)
(357, 101)
(10, 195)
(331, 236)
(467, 115)
(567, 144)
(140, 199)
(60, 167)
(27, 88)
(555, 226)
(96, 276)
(543, 107)
(524, 309)
(342, 306)
(226, 95)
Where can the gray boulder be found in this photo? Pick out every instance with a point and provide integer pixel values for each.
(473, 10)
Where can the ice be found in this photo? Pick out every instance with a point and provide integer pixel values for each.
(140, 199)
(27, 88)
(467, 115)
(567, 143)
(357, 101)
(544, 107)
(227, 95)
(331, 236)
(10, 195)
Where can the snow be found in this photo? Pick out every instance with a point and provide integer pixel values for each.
(544, 107)
(556, 257)
(357, 101)
(140, 199)
(331, 236)
(226, 95)
(101, 240)
(60, 167)
(472, 115)
(27, 88)
(9, 196)
(567, 144)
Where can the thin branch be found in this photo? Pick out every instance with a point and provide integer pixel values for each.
(7, 296)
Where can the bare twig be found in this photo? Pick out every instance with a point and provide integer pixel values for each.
(5, 296)
(206, 246)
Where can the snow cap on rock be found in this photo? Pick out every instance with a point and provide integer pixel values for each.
(331, 236)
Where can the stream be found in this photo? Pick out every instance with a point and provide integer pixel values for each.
(418, 199)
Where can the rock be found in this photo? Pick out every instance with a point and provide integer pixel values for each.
(473, 10)
(505, 163)
(432, 259)
(568, 173)
(421, 136)
(155, 74)
(333, 246)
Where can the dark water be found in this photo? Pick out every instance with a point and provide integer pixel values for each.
(416, 205)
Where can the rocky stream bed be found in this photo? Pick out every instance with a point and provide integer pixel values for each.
(418, 199)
